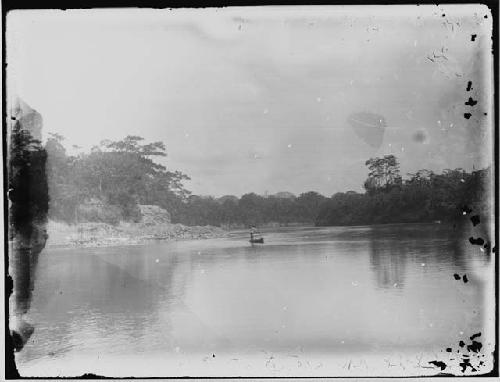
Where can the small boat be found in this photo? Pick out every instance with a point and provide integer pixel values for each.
(256, 237)
(260, 240)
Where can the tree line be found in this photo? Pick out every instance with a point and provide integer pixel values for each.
(423, 196)
(108, 184)
(252, 209)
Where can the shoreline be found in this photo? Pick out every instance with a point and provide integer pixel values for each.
(102, 235)
(95, 235)
(121, 243)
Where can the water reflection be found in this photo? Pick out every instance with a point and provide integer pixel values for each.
(332, 290)
(388, 262)
(427, 245)
(91, 301)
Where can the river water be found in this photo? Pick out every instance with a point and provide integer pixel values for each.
(336, 301)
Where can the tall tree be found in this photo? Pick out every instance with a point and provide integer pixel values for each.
(383, 174)
(117, 173)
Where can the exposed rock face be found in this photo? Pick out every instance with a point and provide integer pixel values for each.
(95, 210)
(155, 225)
(152, 215)
(28, 207)
(30, 120)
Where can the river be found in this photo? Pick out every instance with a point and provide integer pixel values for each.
(335, 301)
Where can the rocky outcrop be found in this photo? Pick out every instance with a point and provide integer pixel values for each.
(153, 215)
(28, 207)
(29, 119)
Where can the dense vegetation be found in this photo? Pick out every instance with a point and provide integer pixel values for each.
(252, 209)
(28, 192)
(423, 197)
(110, 182)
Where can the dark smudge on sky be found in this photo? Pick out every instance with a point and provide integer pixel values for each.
(369, 127)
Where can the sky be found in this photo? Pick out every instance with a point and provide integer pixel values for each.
(262, 99)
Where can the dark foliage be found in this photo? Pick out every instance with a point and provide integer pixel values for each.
(110, 182)
(423, 197)
(250, 209)
(28, 197)
(28, 191)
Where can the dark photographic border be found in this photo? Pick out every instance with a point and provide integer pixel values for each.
(9, 5)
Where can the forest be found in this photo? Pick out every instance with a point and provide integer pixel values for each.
(108, 183)
(421, 197)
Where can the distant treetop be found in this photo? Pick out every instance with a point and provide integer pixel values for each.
(284, 195)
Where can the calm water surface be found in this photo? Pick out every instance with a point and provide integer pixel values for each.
(308, 294)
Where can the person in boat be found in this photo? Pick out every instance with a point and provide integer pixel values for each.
(253, 232)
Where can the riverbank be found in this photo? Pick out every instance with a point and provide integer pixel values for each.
(106, 235)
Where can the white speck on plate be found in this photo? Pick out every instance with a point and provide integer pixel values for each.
(289, 145)
(157, 260)
(423, 264)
